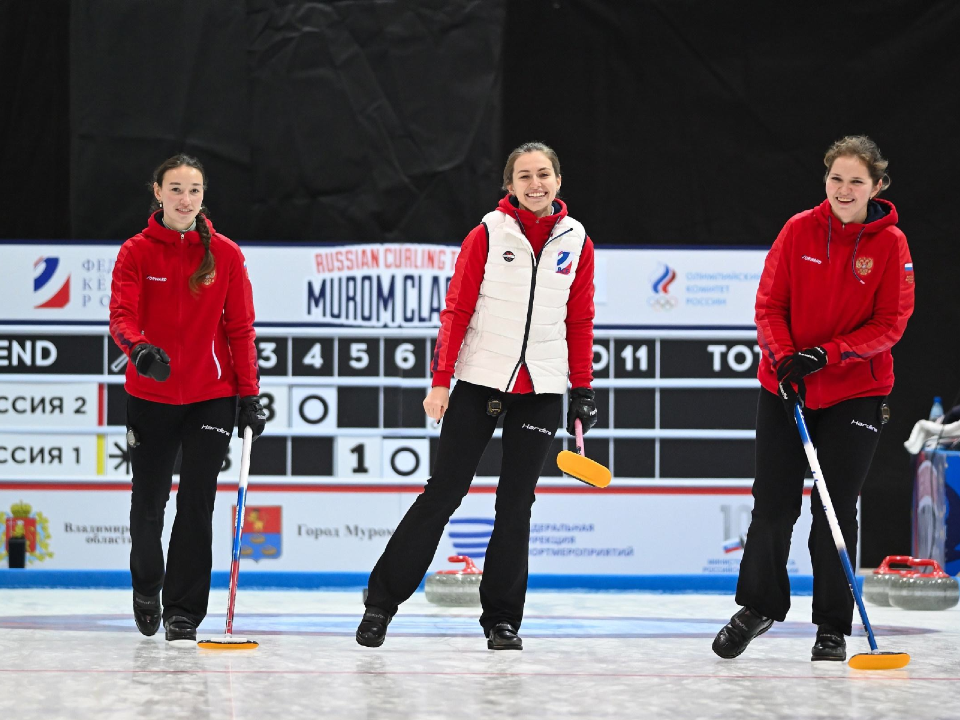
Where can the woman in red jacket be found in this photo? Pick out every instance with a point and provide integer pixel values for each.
(834, 297)
(518, 325)
(182, 310)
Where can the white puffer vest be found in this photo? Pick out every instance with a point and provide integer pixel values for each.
(522, 308)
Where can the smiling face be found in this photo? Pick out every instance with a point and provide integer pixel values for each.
(850, 188)
(534, 183)
(181, 193)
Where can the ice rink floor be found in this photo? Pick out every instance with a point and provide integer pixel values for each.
(76, 654)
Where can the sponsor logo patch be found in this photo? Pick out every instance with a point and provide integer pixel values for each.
(215, 429)
(863, 425)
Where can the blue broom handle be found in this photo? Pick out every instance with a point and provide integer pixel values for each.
(238, 527)
(242, 491)
(832, 519)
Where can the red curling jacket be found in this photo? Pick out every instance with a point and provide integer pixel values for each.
(208, 336)
(848, 288)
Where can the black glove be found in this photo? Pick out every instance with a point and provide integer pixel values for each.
(581, 406)
(790, 396)
(800, 364)
(151, 361)
(251, 414)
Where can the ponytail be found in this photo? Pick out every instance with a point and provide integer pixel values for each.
(204, 272)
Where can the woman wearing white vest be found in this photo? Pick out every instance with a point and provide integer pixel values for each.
(518, 325)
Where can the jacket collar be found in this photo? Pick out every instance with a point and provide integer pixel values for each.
(156, 230)
(511, 207)
(883, 211)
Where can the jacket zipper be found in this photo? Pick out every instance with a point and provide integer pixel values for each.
(180, 312)
(533, 288)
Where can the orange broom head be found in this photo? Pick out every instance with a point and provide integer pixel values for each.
(228, 642)
(583, 469)
(879, 661)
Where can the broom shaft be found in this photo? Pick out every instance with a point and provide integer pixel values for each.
(238, 526)
(832, 521)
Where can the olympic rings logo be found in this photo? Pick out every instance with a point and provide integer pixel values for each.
(662, 302)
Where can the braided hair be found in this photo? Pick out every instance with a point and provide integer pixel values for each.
(208, 263)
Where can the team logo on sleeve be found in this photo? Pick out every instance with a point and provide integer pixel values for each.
(508, 256)
(908, 272)
(564, 262)
(864, 266)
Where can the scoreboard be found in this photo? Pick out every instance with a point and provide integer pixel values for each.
(347, 445)
(345, 404)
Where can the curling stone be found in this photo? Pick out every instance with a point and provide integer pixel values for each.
(934, 590)
(460, 586)
(877, 585)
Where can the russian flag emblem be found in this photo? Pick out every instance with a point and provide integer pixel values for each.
(732, 545)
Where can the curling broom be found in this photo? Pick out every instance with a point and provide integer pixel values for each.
(577, 465)
(873, 660)
(229, 641)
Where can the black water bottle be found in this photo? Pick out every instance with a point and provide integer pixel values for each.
(17, 552)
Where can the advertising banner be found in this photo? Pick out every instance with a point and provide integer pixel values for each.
(320, 529)
(391, 285)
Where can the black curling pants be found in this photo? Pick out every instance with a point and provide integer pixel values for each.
(845, 436)
(202, 430)
(529, 426)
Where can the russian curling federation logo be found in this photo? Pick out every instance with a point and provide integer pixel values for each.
(44, 270)
(660, 283)
(564, 262)
(262, 537)
(470, 536)
(34, 528)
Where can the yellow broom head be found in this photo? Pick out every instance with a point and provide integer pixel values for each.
(879, 661)
(228, 642)
(583, 469)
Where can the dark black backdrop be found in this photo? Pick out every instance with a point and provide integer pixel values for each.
(678, 122)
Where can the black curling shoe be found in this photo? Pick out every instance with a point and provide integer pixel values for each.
(180, 628)
(146, 613)
(503, 636)
(830, 645)
(743, 627)
(373, 627)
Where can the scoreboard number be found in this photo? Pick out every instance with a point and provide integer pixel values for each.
(272, 355)
(314, 407)
(357, 457)
(406, 458)
(634, 358)
(313, 356)
(358, 357)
